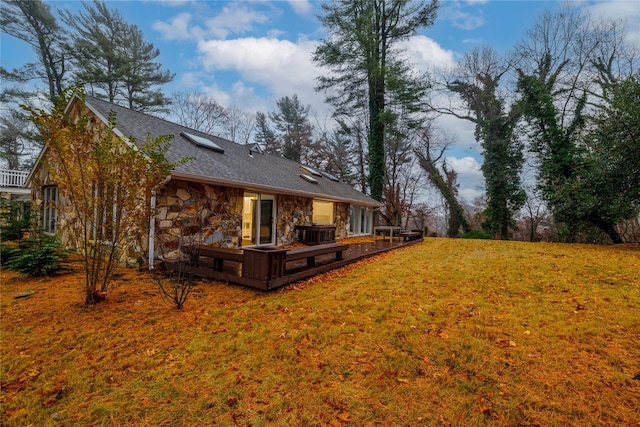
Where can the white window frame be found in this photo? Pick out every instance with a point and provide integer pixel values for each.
(50, 209)
(106, 218)
(360, 220)
(257, 219)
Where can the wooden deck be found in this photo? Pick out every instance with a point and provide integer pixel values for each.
(294, 271)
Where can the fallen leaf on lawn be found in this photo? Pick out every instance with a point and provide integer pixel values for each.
(344, 416)
(25, 293)
(150, 352)
(403, 380)
(443, 335)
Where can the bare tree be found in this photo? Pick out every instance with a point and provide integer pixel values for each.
(177, 282)
(534, 210)
(239, 125)
(199, 112)
(402, 174)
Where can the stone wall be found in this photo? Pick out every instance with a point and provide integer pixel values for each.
(70, 231)
(342, 212)
(292, 211)
(189, 213)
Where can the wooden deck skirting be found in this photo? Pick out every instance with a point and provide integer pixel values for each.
(219, 255)
(311, 252)
(282, 267)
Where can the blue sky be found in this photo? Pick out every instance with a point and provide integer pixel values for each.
(248, 54)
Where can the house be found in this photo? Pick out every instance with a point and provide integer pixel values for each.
(13, 190)
(237, 195)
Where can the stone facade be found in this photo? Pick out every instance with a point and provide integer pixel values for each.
(188, 213)
(70, 230)
(197, 213)
(292, 211)
(342, 212)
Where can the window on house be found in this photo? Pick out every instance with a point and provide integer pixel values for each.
(105, 212)
(360, 220)
(322, 212)
(50, 208)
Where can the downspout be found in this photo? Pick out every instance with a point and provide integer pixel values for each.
(152, 226)
(152, 231)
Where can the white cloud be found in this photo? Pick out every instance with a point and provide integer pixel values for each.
(178, 28)
(470, 176)
(463, 130)
(171, 2)
(234, 19)
(469, 195)
(626, 11)
(282, 66)
(616, 9)
(301, 7)
(427, 55)
(190, 79)
(467, 21)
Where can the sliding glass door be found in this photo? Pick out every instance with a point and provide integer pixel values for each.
(360, 220)
(258, 219)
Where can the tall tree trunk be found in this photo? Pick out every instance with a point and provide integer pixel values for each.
(457, 218)
(376, 140)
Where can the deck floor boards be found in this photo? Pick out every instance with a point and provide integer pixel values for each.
(298, 270)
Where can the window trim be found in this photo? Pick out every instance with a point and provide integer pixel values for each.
(50, 209)
(257, 219)
(360, 220)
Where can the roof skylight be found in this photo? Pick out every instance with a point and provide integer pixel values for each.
(202, 142)
(310, 170)
(331, 177)
(308, 178)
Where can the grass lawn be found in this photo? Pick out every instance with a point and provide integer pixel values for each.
(445, 332)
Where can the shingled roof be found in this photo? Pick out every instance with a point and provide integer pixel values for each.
(231, 164)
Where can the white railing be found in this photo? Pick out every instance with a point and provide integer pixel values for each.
(10, 178)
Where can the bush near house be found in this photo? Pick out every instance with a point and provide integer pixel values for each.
(37, 256)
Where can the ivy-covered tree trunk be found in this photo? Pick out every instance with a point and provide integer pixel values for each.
(457, 218)
(376, 140)
(568, 182)
(367, 71)
(480, 72)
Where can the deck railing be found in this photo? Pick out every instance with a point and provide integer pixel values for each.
(12, 178)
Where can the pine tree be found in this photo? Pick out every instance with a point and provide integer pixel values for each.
(362, 53)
